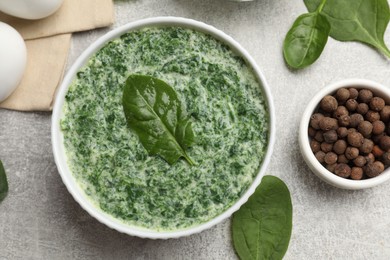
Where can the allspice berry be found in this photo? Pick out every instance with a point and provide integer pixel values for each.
(365, 95)
(385, 114)
(365, 128)
(328, 123)
(331, 167)
(344, 120)
(372, 116)
(370, 158)
(328, 104)
(377, 151)
(330, 158)
(340, 146)
(351, 153)
(330, 136)
(311, 131)
(340, 111)
(319, 137)
(320, 155)
(315, 146)
(355, 139)
(326, 147)
(342, 132)
(378, 127)
(356, 119)
(342, 94)
(386, 158)
(315, 120)
(362, 108)
(356, 173)
(366, 146)
(342, 170)
(351, 105)
(384, 143)
(353, 93)
(374, 169)
(377, 138)
(377, 104)
(342, 159)
(360, 161)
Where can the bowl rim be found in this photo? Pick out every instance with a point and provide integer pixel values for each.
(57, 138)
(304, 143)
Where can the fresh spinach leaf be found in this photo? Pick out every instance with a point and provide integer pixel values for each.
(356, 20)
(262, 227)
(155, 113)
(3, 182)
(306, 39)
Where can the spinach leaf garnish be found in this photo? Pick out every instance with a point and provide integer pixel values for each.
(155, 113)
(3, 182)
(306, 39)
(344, 20)
(356, 20)
(262, 227)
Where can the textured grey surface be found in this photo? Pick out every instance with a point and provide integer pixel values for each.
(40, 220)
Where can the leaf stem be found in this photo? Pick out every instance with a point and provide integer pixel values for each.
(191, 162)
(384, 50)
(321, 6)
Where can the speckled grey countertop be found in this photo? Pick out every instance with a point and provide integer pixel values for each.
(40, 220)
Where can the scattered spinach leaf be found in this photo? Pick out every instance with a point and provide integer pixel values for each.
(306, 39)
(356, 20)
(3, 182)
(154, 112)
(262, 227)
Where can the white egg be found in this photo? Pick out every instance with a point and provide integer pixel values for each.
(30, 9)
(13, 60)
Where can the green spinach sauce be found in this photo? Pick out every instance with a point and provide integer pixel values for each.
(230, 120)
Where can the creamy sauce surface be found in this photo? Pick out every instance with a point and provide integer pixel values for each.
(230, 120)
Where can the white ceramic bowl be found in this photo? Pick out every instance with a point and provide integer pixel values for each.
(57, 137)
(304, 142)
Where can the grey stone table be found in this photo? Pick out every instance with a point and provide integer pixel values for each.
(40, 220)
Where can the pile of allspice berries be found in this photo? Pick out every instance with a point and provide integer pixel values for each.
(350, 133)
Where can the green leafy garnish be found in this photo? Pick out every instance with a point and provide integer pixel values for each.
(3, 182)
(356, 20)
(306, 39)
(344, 20)
(155, 113)
(262, 227)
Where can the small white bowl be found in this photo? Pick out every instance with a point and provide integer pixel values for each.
(57, 137)
(304, 141)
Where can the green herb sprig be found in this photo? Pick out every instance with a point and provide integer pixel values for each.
(262, 227)
(349, 20)
(155, 113)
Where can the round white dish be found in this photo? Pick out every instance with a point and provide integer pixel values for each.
(304, 141)
(57, 137)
